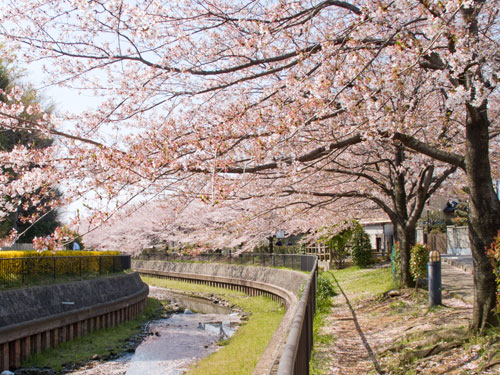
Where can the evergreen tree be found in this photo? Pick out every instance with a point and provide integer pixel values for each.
(361, 248)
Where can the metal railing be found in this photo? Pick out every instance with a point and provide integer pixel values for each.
(28, 270)
(299, 343)
(293, 261)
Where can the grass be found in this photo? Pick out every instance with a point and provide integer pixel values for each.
(324, 303)
(239, 354)
(363, 280)
(101, 343)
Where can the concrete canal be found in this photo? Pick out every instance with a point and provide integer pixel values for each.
(176, 342)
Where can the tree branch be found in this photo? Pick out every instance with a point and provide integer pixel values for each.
(433, 152)
(315, 154)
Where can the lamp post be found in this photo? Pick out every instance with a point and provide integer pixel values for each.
(434, 278)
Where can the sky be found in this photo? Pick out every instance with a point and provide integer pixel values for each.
(65, 100)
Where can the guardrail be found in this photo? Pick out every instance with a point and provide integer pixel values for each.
(298, 343)
(14, 271)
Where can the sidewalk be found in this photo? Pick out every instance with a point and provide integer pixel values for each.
(463, 262)
(457, 277)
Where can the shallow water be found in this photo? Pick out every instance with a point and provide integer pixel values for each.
(178, 342)
(174, 343)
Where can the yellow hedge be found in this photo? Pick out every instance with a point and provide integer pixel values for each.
(42, 263)
(60, 253)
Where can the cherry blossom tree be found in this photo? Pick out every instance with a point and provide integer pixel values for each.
(29, 197)
(197, 91)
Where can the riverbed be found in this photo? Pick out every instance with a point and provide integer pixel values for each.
(174, 343)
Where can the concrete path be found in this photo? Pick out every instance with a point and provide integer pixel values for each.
(463, 262)
(458, 281)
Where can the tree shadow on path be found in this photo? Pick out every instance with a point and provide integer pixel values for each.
(367, 346)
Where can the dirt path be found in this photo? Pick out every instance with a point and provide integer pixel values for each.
(400, 335)
(351, 344)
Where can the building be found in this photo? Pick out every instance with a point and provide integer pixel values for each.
(381, 233)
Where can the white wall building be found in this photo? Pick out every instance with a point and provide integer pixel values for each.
(381, 233)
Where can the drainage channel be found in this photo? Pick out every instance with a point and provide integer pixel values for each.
(176, 342)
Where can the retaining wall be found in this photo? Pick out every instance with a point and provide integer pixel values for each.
(32, 319)
(285, 286)
(458, 242)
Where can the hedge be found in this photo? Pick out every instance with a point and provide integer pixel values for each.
(40, 264)
(61, 253)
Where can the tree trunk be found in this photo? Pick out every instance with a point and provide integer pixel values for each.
(484, 215)
(404, 235)
(271, 239)
(406, 238)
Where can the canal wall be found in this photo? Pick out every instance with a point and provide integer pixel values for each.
(289, 349)
(36, 318)
(278, 284)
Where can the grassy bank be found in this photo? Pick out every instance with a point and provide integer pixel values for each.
(98, 344)
(240, 353)
(324, 294)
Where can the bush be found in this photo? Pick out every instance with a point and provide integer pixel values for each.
(40, 264)
(396, 263)
(361, 248)
(324, 289)
(337, 244)
(419, 258)
(494, 255)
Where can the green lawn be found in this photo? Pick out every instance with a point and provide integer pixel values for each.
(355, 280)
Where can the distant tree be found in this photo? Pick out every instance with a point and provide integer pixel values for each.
(361, 248)
(337, 238)
(461, 215)
(28, 219)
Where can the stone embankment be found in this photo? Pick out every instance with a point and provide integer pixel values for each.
(32, 319)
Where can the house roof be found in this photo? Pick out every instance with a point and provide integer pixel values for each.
(374, 221)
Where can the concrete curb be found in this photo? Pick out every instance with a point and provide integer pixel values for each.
(456, 264)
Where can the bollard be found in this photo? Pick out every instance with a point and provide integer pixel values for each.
(434, 278)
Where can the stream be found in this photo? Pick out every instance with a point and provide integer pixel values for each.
(173, 343)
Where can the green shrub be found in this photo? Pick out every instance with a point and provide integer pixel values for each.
(396, 264)
(419, 258)
(39, 264)
(337, 243)
(361, 248)
(324, 290)
(494, 255)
